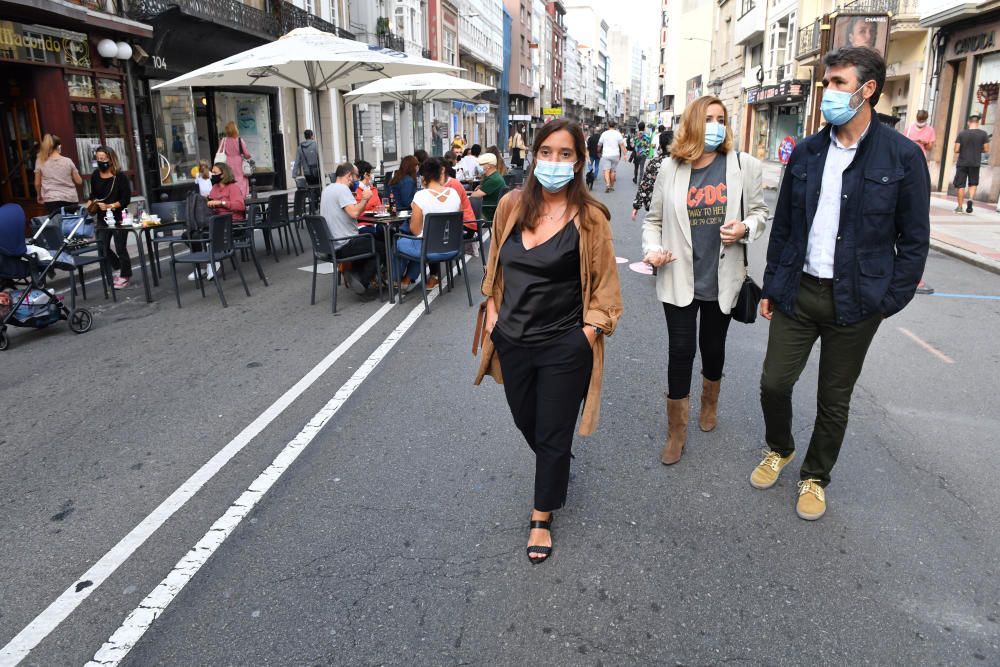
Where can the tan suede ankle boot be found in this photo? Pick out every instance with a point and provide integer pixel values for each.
(709, 404)
(677, 430)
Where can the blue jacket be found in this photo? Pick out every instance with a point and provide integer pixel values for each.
(402, 192)
(884, 230)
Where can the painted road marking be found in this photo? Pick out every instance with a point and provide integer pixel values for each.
(47, 621)
(966, 296)
(927, 346)
(621, 260)
(139, 621)
(641, 267)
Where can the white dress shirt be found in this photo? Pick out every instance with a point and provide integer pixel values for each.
(826, 223)
(469, 166)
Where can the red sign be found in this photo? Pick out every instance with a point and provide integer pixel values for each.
(785, 149)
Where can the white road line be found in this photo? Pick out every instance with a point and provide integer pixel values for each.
(47, 621)
(142, 617)
(927, 346)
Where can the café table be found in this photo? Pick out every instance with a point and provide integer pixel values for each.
(137, 230)
(152, 243)
(388, 223)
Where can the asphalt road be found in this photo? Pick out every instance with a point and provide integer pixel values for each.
(397, 535)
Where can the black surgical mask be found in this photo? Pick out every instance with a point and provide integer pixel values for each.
(216, 179)
(103, 166)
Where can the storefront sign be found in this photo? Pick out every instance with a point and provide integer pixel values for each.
(41, 44)
(975, 43)
(786, 91)
(520, 117)
(552, 111)
(482, 108)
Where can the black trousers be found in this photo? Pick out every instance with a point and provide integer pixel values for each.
(53, 207)
(119, 257)
(363, 269)
(684, 334)
(545, 387)
(842, 351)
(640, 167)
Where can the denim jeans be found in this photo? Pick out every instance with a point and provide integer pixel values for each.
(407, 267)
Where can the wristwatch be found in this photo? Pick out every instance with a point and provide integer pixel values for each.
(598, 330)
(746, 233)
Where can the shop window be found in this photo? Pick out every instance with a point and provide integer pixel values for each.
(252, 115)
(418, 126)
(109, 89)
(97, 123)
(87, 130)
(985, 92)
(390, 152)
(176, 137)
(80, 85)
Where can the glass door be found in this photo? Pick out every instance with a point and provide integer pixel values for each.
(21, 136)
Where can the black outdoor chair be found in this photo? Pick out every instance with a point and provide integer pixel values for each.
(482, 226)
(324, 249)
(300, 206)
(441, 242)
(73, 260)
(168, 212)
(243, 241)
(276, 218)
(217, 248)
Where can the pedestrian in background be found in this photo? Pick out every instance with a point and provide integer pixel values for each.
(922, 135)
(110, 190)
(468, 166)
(706, 198)
(970, 144)
(492, 185)
(640, 151)
(610, 147)
(307, 159)
(517, 148)
(594, 154)
(848, 245)
(56, 177)
(644, 194)
(235, 151)
(552, 291)
(501, 165)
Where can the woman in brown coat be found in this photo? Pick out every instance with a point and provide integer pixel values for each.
(552, 296)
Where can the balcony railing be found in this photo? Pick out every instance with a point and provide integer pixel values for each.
(894, 7)
(809, 40)
(387, 40)
(747, 6)
(237, 15)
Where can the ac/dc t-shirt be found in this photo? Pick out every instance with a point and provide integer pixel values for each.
(706, 205)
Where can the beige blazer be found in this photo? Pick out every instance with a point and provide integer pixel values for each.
(667, 227)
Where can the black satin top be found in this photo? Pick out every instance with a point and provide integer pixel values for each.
(542, 293)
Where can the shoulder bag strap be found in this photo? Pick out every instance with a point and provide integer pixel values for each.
(742, 214)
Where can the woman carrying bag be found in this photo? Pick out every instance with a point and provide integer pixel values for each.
(552, 291)
(233, 151)
(707, 201)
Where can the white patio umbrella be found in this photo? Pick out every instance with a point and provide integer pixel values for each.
(416, 88)
(310, 59)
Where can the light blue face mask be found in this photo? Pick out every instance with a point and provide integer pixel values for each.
(715, 134)
(554, 176)
(836, 106)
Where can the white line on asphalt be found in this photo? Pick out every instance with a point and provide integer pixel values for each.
(47, 621)
(142, 617)
(927, 346)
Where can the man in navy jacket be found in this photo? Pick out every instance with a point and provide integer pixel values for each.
(848, 246)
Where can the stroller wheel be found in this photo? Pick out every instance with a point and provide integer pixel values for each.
(80, 321)
(3, 339)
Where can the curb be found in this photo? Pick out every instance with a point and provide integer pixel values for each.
(968, 257)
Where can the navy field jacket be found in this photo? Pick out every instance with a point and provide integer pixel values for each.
(884, 229)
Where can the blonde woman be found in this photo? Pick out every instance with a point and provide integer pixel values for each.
(204, 178)
(236, 152)
(707, 202)
(56, 177)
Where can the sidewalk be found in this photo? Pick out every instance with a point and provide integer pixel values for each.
(972, 238)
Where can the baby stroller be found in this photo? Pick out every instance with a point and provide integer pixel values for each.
(34, 306)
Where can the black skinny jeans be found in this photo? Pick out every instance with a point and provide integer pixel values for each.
(683, 335)
(545, 387)
(119, 257)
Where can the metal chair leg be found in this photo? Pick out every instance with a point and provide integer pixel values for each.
(312, 299)
(239, 270)
(177, 289)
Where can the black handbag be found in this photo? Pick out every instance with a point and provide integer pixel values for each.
(747, 302)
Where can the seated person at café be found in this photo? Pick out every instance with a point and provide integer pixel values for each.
(436, 197)
(340, 209)
(365, 170)
(468, 215)
(468, 168)
(404, 183)
(492, 185)
(226, 196)
(501, 165)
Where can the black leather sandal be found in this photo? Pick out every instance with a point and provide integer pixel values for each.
(544, 552)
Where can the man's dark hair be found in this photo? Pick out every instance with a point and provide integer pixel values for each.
(343, 170)
(476, 150)
(642, 126)
(665, 139)
(611, 124)
(975, 117)
(420, 154)
(308, 134)
(661, 128)
(868, 65)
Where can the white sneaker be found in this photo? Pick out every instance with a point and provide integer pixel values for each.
(192, 276)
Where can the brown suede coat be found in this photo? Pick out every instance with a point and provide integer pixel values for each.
(602, 299)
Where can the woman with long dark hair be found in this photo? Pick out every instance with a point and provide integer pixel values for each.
(552, 293)
(404, 182)
(111, 191)
(707, 201)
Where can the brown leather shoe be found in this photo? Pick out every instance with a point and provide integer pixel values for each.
(677, 430)
(709, 405)
(432, 282)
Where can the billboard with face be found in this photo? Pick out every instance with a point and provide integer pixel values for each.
(867, 30)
